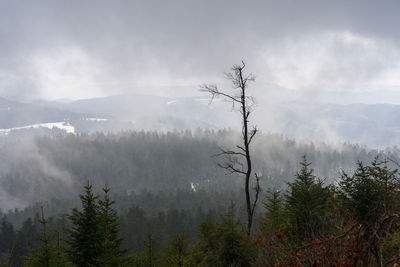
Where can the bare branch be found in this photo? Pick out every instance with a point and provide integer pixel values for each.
(252, 134)
(230, 167)
(241, 148)
(213, 90)
(229, 152)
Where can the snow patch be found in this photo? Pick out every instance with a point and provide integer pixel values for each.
(171, 102)
(50, 125)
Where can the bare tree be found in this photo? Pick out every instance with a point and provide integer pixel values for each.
(238, 160)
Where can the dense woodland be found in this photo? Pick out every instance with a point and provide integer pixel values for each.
(48, 167)
(159, 199)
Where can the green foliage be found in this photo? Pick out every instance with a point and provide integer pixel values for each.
(94, 235)
(54, 253)
(50, 252)
(274, 217)
(307, 204)
(176, 253)
(7, 241)
(150, 251)
(370, 198)
(371, 192)
(110, 244)
(84, 238)
(224, 244)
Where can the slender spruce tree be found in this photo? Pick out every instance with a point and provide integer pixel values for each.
(307, 204)
(50, 252)
(110, 247)
(84, 236)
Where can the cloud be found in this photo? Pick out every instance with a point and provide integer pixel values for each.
(333, 61)
(59, 70)
(27, 175)
(116, 46)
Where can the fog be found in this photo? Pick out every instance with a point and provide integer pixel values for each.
(70, 49)
(326, 72)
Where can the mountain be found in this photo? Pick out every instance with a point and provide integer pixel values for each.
(290, 113)
(19, 120)
(15, 114)
(154, 112)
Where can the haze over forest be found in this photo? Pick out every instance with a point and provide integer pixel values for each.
(112, 93)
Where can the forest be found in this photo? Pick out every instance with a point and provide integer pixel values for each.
(160, 199)
(206, 133)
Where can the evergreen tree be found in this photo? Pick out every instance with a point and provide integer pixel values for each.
(307, 204)
(224, 244)
(150, 249)
(27, 238)
(111, 251)
(372, 191)
(84, 236)
(274, 216)
(42, 255)
(370, 200)
(48, 253)
(7, 242)
(175, 254)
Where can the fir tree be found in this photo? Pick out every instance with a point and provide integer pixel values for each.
(224, 244)
(370, 199)
(307, 204)
(84, 236)
(274, 216)
(49, 252)
(41, 256)
(111, 251)
(150, 251)
(175, 254)
(7, 241)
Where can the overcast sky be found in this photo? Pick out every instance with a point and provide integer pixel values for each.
(76, 49)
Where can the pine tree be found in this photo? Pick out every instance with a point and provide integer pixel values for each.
(84, 236)
(27, 237)
(370, 198)
(224, 244)
(7, 241)
(49, 252)
(370, 192)
(41, 256)
(274, 216)
(307, 204)
(150, 251)
(111, 251)
(175, 254)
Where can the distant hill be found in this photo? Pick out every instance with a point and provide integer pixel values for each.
(375, 125)
(15, 114)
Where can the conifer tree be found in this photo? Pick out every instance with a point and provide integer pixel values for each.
(175, 254)
(307, 204)
(370, 199)
(50, 252)
(7, 240)
(150, 251)
(42, 255)
(84, 236)
(274, 216)
(110, 246)
(224, 244)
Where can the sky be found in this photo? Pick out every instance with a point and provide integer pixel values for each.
(51, 49)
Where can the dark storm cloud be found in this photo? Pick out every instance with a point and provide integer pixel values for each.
(78, 48)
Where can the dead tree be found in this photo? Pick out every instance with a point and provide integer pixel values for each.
(238, 160)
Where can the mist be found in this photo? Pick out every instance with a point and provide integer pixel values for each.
(80, 50)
